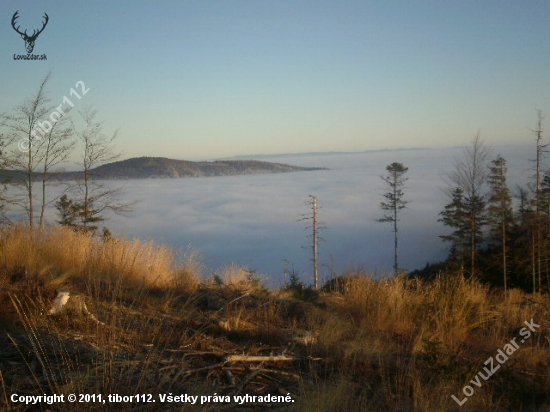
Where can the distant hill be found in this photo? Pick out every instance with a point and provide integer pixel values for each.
(162, 168)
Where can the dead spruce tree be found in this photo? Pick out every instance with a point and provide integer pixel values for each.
(538, 188)
(315, 226)
(500, 213)
(394, 202)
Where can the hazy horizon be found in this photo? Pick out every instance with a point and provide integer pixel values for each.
(290, 155)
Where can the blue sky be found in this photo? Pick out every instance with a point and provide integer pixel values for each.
(206, 79)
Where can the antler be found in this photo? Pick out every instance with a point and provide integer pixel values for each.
(35, 35)
(15, 16)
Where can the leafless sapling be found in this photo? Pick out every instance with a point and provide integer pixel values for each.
(96, 196)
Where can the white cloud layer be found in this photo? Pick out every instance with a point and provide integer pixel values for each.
(254, 220)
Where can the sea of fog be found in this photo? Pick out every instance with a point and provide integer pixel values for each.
(254, 220)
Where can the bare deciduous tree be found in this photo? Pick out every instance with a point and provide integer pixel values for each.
(40, 140)
(97, 149)
(58, 145)
(470, 175)
(24, 159)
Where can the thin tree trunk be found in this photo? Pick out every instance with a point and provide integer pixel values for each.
(43, 207)
(44, 173)
(395, 264)
(29, 183)
(504, 253)
(533, 261)
(538, 222)
(462, 255)
(86, 200)
(473, 246)
(315, 273)
(538, 216)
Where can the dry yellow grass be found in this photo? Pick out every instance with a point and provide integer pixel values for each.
(374, 345)
(429, 339)
(58, 255)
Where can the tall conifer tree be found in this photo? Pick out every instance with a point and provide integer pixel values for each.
(394, 200)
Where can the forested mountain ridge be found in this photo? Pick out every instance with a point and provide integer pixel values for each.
(161, 168)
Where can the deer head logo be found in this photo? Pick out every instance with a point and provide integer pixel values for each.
(29, 40)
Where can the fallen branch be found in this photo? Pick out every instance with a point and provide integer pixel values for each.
(250, 358)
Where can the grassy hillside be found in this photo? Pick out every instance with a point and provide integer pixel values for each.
(156, 322)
